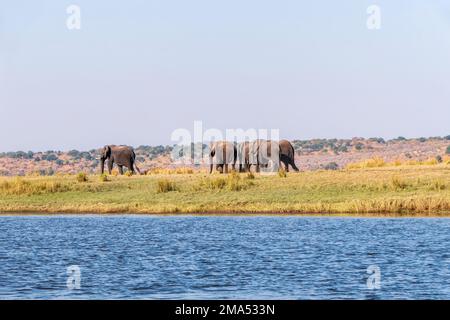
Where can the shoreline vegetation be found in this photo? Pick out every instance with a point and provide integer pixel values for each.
(372, 188)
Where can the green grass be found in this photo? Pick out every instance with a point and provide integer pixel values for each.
(404, 190)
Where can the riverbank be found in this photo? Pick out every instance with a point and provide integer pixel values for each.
(403, 190)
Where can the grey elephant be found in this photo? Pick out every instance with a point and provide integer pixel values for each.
(242, 156)
(222, 154)
(259, 153)
(287, 155)
(267, 154)
(122, 156)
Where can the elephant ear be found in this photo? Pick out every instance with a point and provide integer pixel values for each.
(212, 149)
(107, 151)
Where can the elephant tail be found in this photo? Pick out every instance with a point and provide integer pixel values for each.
(293, 159)
(134, 163)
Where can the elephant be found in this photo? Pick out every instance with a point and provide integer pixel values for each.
(268, 154)
(121, 156)
(222, 154)
(287, 155)
(242, 156)
(259, 153)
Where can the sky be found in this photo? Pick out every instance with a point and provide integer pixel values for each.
(138, 70)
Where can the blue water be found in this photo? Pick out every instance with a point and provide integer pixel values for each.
(188, 257)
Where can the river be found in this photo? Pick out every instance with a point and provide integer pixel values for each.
(223, 257)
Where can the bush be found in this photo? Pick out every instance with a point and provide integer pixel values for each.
(179, 170)
(129, 173)
(250, 176)
(448, 150)
(331, 166)
(26, 187)
(164, 185)
(233, 182)
(50, 157)
(104, 177)
(398, 184)
(359, 146)
(370, 163)
(282, 173)
(82, 177)
(437, 185)
(431, 162)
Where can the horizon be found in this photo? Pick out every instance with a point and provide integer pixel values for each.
(399, 138)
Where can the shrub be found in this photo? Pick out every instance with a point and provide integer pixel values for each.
(398, 184)
(216, 183)
(26, 187)
(437, 185)
(446, 160)
(331, 166)
(179, 170)
(129, 173)
(82, 177)
(439, 159)
(282, 173)
(430, 162)
(359, 146)
(250, 176)
(165, 185)
(370, 163)
(235, 183)
(104, 177)
(448, 150)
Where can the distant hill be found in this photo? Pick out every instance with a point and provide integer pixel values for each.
(311, 154)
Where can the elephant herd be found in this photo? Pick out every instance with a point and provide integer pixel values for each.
(222, 154)
(259, 153)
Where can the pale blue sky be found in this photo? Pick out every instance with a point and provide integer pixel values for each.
(137, 70)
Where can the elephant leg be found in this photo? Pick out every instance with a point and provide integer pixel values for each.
(286, 165)
(120, 169)
(226, 167)
(293, 165)
(130, 167)
(211, 168)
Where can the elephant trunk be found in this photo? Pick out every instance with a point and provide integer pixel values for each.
(102, 165)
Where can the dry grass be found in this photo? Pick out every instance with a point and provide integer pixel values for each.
(165, 185)
(415, 190)
(380, 163)
(180, 170)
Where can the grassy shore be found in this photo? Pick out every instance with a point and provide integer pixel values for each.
(404, 190)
